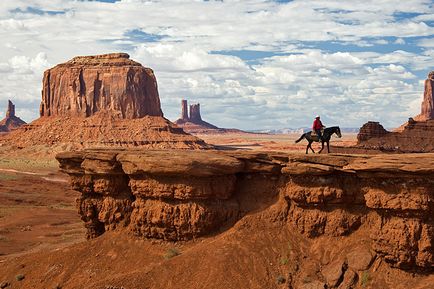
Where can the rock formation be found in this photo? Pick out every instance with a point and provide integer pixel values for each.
(99, 101)
(11, 121)
(370, 130)
(427, 108)
(10, 112)
(193, 123)
(86, 85)
(178, 195)
(184, 112)
(195, 113)
(416, 135)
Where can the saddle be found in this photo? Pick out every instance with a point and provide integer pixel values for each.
(313, 133)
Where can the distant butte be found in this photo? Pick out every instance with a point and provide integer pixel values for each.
(193, 123)
(427, 107)
(416, 135)
(11, 121)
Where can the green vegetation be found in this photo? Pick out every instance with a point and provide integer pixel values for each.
(19, 277)
(364, 279)
(172, 252)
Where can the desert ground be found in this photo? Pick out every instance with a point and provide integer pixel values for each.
(37, 207)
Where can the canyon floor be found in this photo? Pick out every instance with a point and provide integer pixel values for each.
(42, 239)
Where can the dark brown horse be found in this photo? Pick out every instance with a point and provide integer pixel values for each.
(328, 132)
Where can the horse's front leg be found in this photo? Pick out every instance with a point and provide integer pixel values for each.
(328, 147)
(322, 147)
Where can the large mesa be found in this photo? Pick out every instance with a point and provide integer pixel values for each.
(86, 85)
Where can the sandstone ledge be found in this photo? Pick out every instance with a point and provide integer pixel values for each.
(180, 195)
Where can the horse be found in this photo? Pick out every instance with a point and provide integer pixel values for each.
(328, 132)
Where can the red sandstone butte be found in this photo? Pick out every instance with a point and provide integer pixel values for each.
(10, 122)
(86, 85)
(371, 129)
(427, 107)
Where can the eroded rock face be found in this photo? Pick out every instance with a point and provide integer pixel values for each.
(371, 129)
(180, 195)
(11, 121)
(427, 107)
(86, 85)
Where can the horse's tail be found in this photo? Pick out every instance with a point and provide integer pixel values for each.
(302, 137)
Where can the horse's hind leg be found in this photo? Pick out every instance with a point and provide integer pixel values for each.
(310, 146)
(328, 147)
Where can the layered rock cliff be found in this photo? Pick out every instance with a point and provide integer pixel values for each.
(11, 121)
(86, 85)
(180, 195)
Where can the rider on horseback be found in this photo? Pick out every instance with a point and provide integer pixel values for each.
(317, 127)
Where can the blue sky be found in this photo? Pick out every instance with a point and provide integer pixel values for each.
(251, 64)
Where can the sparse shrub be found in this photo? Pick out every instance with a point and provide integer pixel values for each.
(280, 279)
(364, 279)
(284, 260)
(172, 252)
(19, 277)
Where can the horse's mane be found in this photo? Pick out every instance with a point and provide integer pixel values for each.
(331, 128)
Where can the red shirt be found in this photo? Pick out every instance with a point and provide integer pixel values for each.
(317, 124)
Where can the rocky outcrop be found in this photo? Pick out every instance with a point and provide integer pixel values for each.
(193, 123)
(11, 121)
(10, 112)
(369, 130)
(179, 195)
(184, 111)
(86, 85)
(427, 107)
(195, 113)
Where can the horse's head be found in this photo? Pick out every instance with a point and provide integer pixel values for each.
(338, 132)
